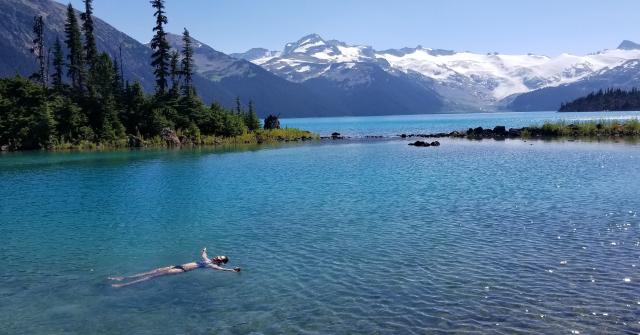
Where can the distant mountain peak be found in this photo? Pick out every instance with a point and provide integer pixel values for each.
(304, 44)
(257, 55)
(629, 45)
(311, 38)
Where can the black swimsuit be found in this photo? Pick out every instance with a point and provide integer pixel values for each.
(200, 266)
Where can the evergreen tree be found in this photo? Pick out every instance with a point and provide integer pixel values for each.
(133, 114)
(175, 72)
(90, 48)
(104, 116)
(271, 122)
(187, 64)
(238, 106)
(251, 118)
(76, 67)
(160, 46)
(38, 49)
(71, 123)
(118, 86)
(25, 115)
(58, 63)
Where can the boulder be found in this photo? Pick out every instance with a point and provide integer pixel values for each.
(135, 141)
(170, 137)
(188, 140)
(500, 131)
(420, 144)
(515, 132)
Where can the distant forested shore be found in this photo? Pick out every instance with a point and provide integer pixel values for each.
(605, 100)
(80, 99)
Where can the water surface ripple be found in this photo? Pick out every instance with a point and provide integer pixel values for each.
(479, 237)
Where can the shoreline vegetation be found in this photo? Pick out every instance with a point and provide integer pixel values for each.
(607, 100)
(560, 129)
(80, 99)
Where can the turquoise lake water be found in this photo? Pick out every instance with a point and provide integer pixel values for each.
(501, 237)
(435, 123)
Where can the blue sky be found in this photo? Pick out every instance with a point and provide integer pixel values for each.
(506, 26)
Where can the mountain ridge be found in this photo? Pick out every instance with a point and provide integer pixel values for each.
(464, 80)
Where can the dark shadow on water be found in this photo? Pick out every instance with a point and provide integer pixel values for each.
(53, 159)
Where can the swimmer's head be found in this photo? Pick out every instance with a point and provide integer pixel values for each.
(221, 259)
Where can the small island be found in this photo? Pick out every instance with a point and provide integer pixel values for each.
(561, 129)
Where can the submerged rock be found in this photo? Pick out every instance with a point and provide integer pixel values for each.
(425, 144)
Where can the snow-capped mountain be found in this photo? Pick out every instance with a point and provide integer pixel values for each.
(310, 57)
(349, 77)
(625, 76)
(462, 79)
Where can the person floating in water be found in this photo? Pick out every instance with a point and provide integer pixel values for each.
(206, 262)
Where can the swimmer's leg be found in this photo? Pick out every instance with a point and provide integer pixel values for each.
(143, 274)
(170, 271)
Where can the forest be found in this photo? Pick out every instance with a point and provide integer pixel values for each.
(79, 97)
(605, 100)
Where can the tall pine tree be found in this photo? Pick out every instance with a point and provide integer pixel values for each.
(187, 64)
(118, 84)
(238, 106)
(175, 72)
(76, 67)
(90, 48)
(251, 118)
(160, 58)
(58, 63)
(38, 49)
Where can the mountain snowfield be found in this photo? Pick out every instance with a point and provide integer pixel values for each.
(468, 78)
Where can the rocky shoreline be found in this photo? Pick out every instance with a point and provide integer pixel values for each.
(477, 133)
(602, 129)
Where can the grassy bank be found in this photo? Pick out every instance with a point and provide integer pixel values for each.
(259, 136)
(602, 128)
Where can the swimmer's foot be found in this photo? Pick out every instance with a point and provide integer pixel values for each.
(116, 278)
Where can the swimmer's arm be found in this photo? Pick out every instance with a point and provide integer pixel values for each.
(217, 267)
(204, 255)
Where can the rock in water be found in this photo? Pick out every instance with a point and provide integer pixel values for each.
(170, 137)
(425, 144)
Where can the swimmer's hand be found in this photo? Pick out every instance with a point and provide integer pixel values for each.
(236, 269)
